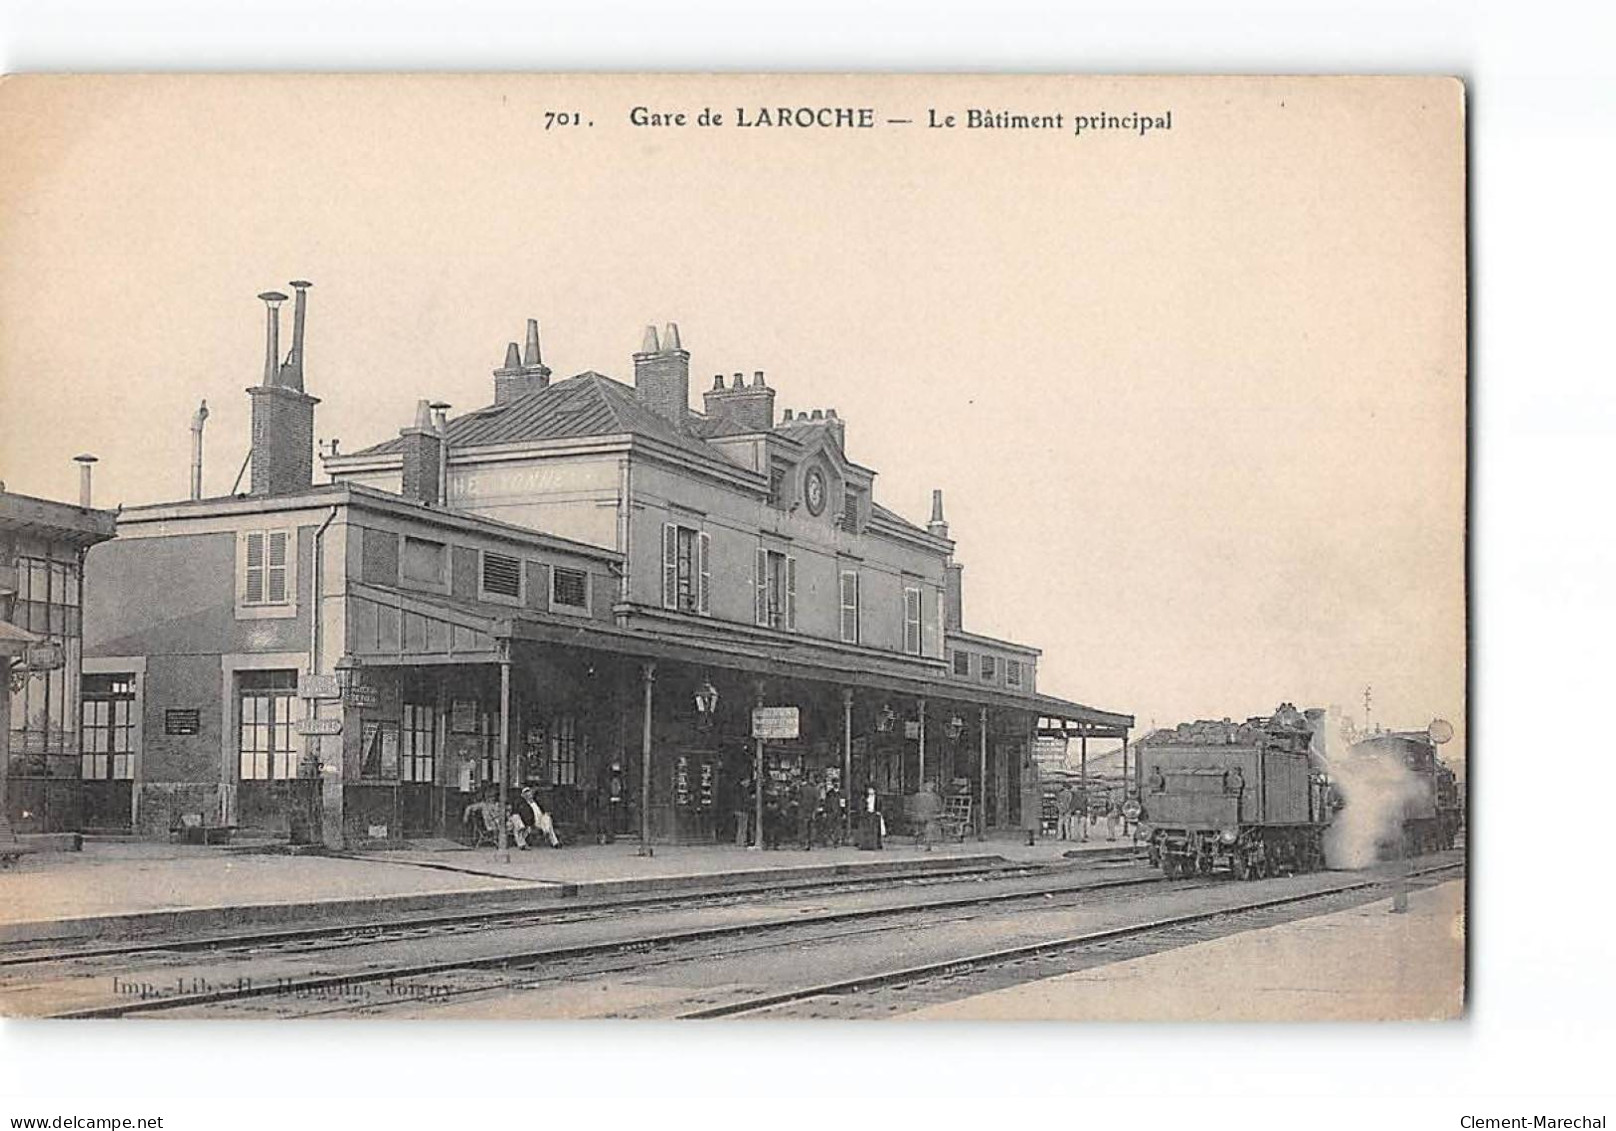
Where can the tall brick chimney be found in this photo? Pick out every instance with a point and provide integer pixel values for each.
(750, 406)
(423, 457)
(662, 375)
(524, 370)
(282, 413)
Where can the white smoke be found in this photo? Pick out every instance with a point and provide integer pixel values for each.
(1376, 790)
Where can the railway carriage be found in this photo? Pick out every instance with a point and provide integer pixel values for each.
(1236, 798)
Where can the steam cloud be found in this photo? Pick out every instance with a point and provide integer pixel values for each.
(1377, 790)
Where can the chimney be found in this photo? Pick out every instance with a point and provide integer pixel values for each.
(85, 462)
(837, 427)
(938, 526)
(292, 371)
(282, 415)
(197, 421)
(750, 406)
(423, 458)
(953, 612)
(524, 370)
(662, 375)
(440, 425)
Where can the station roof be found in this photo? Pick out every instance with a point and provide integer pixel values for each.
(56, 522)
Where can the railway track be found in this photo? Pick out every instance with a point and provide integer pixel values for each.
(1071, 951)
(510, 914)
(314, 946)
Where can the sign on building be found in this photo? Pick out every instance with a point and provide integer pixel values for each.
(319, 726)
(318, 686)
(182, 720)
(43, 657)
(774, 722)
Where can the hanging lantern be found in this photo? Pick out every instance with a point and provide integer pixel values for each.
(956, 727)
(884, 721)
(706, 702)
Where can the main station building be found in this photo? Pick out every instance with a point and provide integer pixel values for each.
(586, 581)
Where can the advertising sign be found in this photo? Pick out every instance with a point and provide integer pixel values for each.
(774, 722)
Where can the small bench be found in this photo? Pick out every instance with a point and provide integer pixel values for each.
(191, 828)
(12, 848)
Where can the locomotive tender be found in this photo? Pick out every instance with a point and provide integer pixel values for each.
(1243, 798)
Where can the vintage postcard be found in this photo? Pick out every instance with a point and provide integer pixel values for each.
(837, 546)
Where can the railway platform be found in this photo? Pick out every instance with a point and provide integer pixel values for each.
(118, 888)
(1363, 964)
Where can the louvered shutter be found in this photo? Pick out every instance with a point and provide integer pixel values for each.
(275, 568)
(762, 586)
(791, 593)
(670, 565)
(704, 596)
(253, 587)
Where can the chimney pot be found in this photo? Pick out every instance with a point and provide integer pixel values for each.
(649, 343)
(830, 414)
(937, 505)
(789, 416)
(737, 382)
(757, 379)
(819, 414)
(84, 461)
(532, 356)
(513, 356)
(718, 382)
(670, 337)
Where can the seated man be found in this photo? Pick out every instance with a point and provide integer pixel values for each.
(481, 818)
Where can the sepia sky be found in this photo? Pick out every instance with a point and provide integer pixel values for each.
(1195, 399)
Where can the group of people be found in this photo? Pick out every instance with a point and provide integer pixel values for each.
(525, 819)
(1078, 818)
(810, 809)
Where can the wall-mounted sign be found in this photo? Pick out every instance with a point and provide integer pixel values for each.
(911, 728)
(318, 686)
(182, 720)
(463, 716)
(43, 657)
(775, 722)
(319, 726)
(361, 695)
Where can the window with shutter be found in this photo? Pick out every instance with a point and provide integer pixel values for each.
(762, 586)
(990, 668)
(791, 594)
(502, 575)
(911, 621)
(275, 567)
(704, 599)
(254, 592)
(1012, 673)
(850, 606)
(670, 565)
(962, 663)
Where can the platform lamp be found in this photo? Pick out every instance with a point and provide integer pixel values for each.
(956, 727)
(884, 720)
(706, 703)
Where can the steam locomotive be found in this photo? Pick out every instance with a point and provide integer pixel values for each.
(1432, 811)
(1255, 798)
(1243, 798)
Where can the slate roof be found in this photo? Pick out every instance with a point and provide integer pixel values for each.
(589, 404)
(592, 404)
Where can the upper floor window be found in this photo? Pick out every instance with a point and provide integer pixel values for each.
(266, 576)
(777, 485)
(776, 589)
(850, 510)
(687, 579)
(569, 588)
(502, 575)
(962, 663)
(850, 606)
(990, 668)
(1012, 673)
(911, 621)
(424, 562)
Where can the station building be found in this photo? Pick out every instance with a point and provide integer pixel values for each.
(49, 780)
(586, 581)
